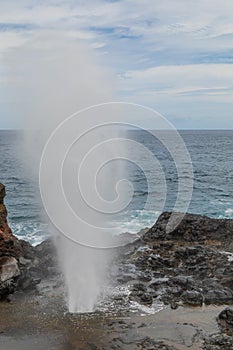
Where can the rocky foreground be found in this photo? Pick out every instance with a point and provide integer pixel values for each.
(188, 269)
(191, 265)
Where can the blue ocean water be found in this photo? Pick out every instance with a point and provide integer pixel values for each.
(212, 160)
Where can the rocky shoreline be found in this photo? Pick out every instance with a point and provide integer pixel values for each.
(187, 269)
(189, 265)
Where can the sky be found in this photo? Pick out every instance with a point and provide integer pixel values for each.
(175, 56)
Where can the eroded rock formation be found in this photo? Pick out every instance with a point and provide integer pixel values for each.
(10, 251)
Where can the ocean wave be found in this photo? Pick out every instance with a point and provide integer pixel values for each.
(228, 213)
(34, 233)
(135, 220)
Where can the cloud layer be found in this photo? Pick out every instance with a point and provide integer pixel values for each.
(175, 56)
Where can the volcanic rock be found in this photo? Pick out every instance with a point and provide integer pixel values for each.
(192, 297)
(9, 244)
(10, 251)
(189, 265)
(225, 321)
(9, 272)
(192, 228)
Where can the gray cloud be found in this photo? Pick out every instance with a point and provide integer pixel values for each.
(134, 37)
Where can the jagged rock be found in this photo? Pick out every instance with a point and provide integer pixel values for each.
(10, 250)
(47, 258)
(9, 273)
(23, 265)
(218, 342)
(192, 228)
(28, 251)
(218, 296)
(2, 193)
(8, 268)
(183, 281)
(149, 344)
(37, 263)
(141, 294)
(225, 321)
(27, 282)
(227, 282)
(191, 259)
(9, 244)
(192, 297)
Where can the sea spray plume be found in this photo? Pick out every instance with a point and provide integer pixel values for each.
(91, 143)
(82, 172)
(56, 76)
(95, 146)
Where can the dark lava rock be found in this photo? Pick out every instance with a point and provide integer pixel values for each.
(46, 255)
(22, 266)
(191, 259)
(145, 343)
(174, 305)
(192, 297)
(149, 344)
(2, 193)
(218, 342)
(139, 287)
(28, 251)
(227, 282)
(192, 228)
(225, 321)
(183, 281)
(140, 294)
(37, 263)
(27, 282)
(218, 296)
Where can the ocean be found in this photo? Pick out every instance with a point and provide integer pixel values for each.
(212, 161)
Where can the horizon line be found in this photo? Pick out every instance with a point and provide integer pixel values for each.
(135, 129)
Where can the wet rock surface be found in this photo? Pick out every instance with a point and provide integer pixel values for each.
(175, 272)
(192, 228)
(189, 267)
(225, 321)
(218, 342)
(37, 264)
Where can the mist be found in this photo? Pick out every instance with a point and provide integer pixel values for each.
(57, 77)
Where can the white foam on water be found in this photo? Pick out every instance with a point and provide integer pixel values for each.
(34, 233)
(229, 212)
(135, 220)
(228, 254)
(111, 304)
(147, 310)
